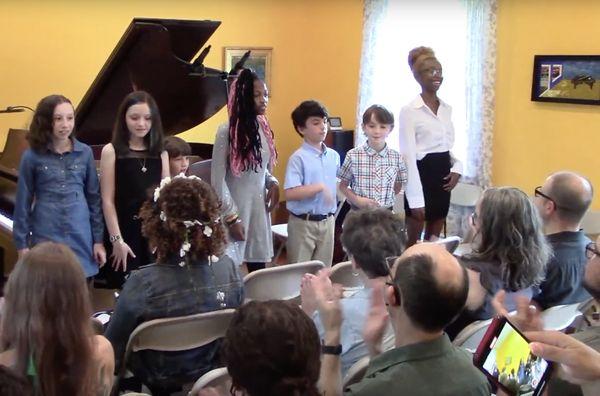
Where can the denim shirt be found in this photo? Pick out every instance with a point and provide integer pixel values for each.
(168, 290)
(58, 199)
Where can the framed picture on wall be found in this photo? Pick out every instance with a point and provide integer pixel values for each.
(566, 79)
(259, 61)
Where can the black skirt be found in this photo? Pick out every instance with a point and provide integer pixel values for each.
(432, 170)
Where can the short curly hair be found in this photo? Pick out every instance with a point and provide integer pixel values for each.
(184, 199)
(272, 348)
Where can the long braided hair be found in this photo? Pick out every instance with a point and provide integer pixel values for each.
(244, 122)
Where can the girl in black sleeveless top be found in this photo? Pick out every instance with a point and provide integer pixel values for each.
(131, 166)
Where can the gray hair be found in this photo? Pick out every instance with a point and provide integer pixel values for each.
(510, 233)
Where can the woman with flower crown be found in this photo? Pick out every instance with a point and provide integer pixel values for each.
(182, 222)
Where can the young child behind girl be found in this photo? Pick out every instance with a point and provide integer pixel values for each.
(58, 195)
(179, 152)
(373, 174)
(131, 165)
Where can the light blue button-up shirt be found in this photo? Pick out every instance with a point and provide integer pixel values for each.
(306, 166)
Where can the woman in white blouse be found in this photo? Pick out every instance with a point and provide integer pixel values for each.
(426, 140)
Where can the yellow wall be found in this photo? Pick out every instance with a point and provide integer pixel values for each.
(59, 46)
(533, 139)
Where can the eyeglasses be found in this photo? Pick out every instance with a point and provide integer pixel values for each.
(432, 71)
(591, 250)
(538, 193)
(390, 263)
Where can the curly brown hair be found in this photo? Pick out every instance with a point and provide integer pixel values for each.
(184, 199)
(40, 130)
(272, 348)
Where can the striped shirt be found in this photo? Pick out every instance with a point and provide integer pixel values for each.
(373, 174)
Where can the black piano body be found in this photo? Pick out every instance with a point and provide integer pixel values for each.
(154, 55)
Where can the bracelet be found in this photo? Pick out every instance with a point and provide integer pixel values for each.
(331, 349)
(237, 220)
(114, 238)
(231, 219)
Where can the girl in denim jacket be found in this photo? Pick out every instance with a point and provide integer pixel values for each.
(58, 193)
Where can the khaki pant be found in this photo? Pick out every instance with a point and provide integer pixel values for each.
(310, 240)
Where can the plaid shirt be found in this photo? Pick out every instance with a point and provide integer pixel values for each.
(372, 174)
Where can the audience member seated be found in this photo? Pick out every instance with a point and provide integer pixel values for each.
(578, 355)
(47, 331)
(12, 384)
(369, 237)
(182, 224)
(509, 253)
(272, 348)
(428, 289)
(562, 202)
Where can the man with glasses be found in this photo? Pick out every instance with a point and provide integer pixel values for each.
(426, 290)
(562, 202)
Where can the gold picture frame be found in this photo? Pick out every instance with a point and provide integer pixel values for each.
(259, 61)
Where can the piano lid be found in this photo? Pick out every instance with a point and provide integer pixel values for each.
(155, 55)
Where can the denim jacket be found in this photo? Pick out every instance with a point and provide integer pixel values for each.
(168, 290)
(58, 199)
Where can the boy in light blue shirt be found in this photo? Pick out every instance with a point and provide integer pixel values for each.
(310, 188)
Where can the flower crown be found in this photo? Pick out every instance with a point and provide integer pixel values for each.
(204, 225)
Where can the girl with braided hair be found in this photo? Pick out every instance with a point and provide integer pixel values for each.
(243, 157)
(426, 141)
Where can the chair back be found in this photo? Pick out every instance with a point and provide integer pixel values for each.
(591, 223)
(201, 169)
(450, 243)
(470, 337)
(180, 333)
(278, 283)
(561, 316)
(356, 372)
(343, 274)
(218, 379)
(465, 194)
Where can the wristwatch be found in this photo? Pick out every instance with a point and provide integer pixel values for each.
(114, 238)
(331, 349)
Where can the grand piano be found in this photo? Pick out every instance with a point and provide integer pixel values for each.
(154, 55)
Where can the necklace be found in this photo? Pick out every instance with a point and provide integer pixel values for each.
(144, 169)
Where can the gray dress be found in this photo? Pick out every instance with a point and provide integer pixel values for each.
(244, 195)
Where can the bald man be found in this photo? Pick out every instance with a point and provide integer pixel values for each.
(428, 290)
(562, 202)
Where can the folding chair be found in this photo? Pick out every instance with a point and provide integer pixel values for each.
(218, 378)
(470, 337)
(591, 223)
(175, 334)
(278, 283)
(450, 243)
(201, 169)
(343, 274)
(560, 317)
(465, 194)
(356, 372)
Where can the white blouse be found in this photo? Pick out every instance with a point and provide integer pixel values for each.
(423, 132)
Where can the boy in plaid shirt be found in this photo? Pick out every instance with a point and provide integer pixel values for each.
(373, 174)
